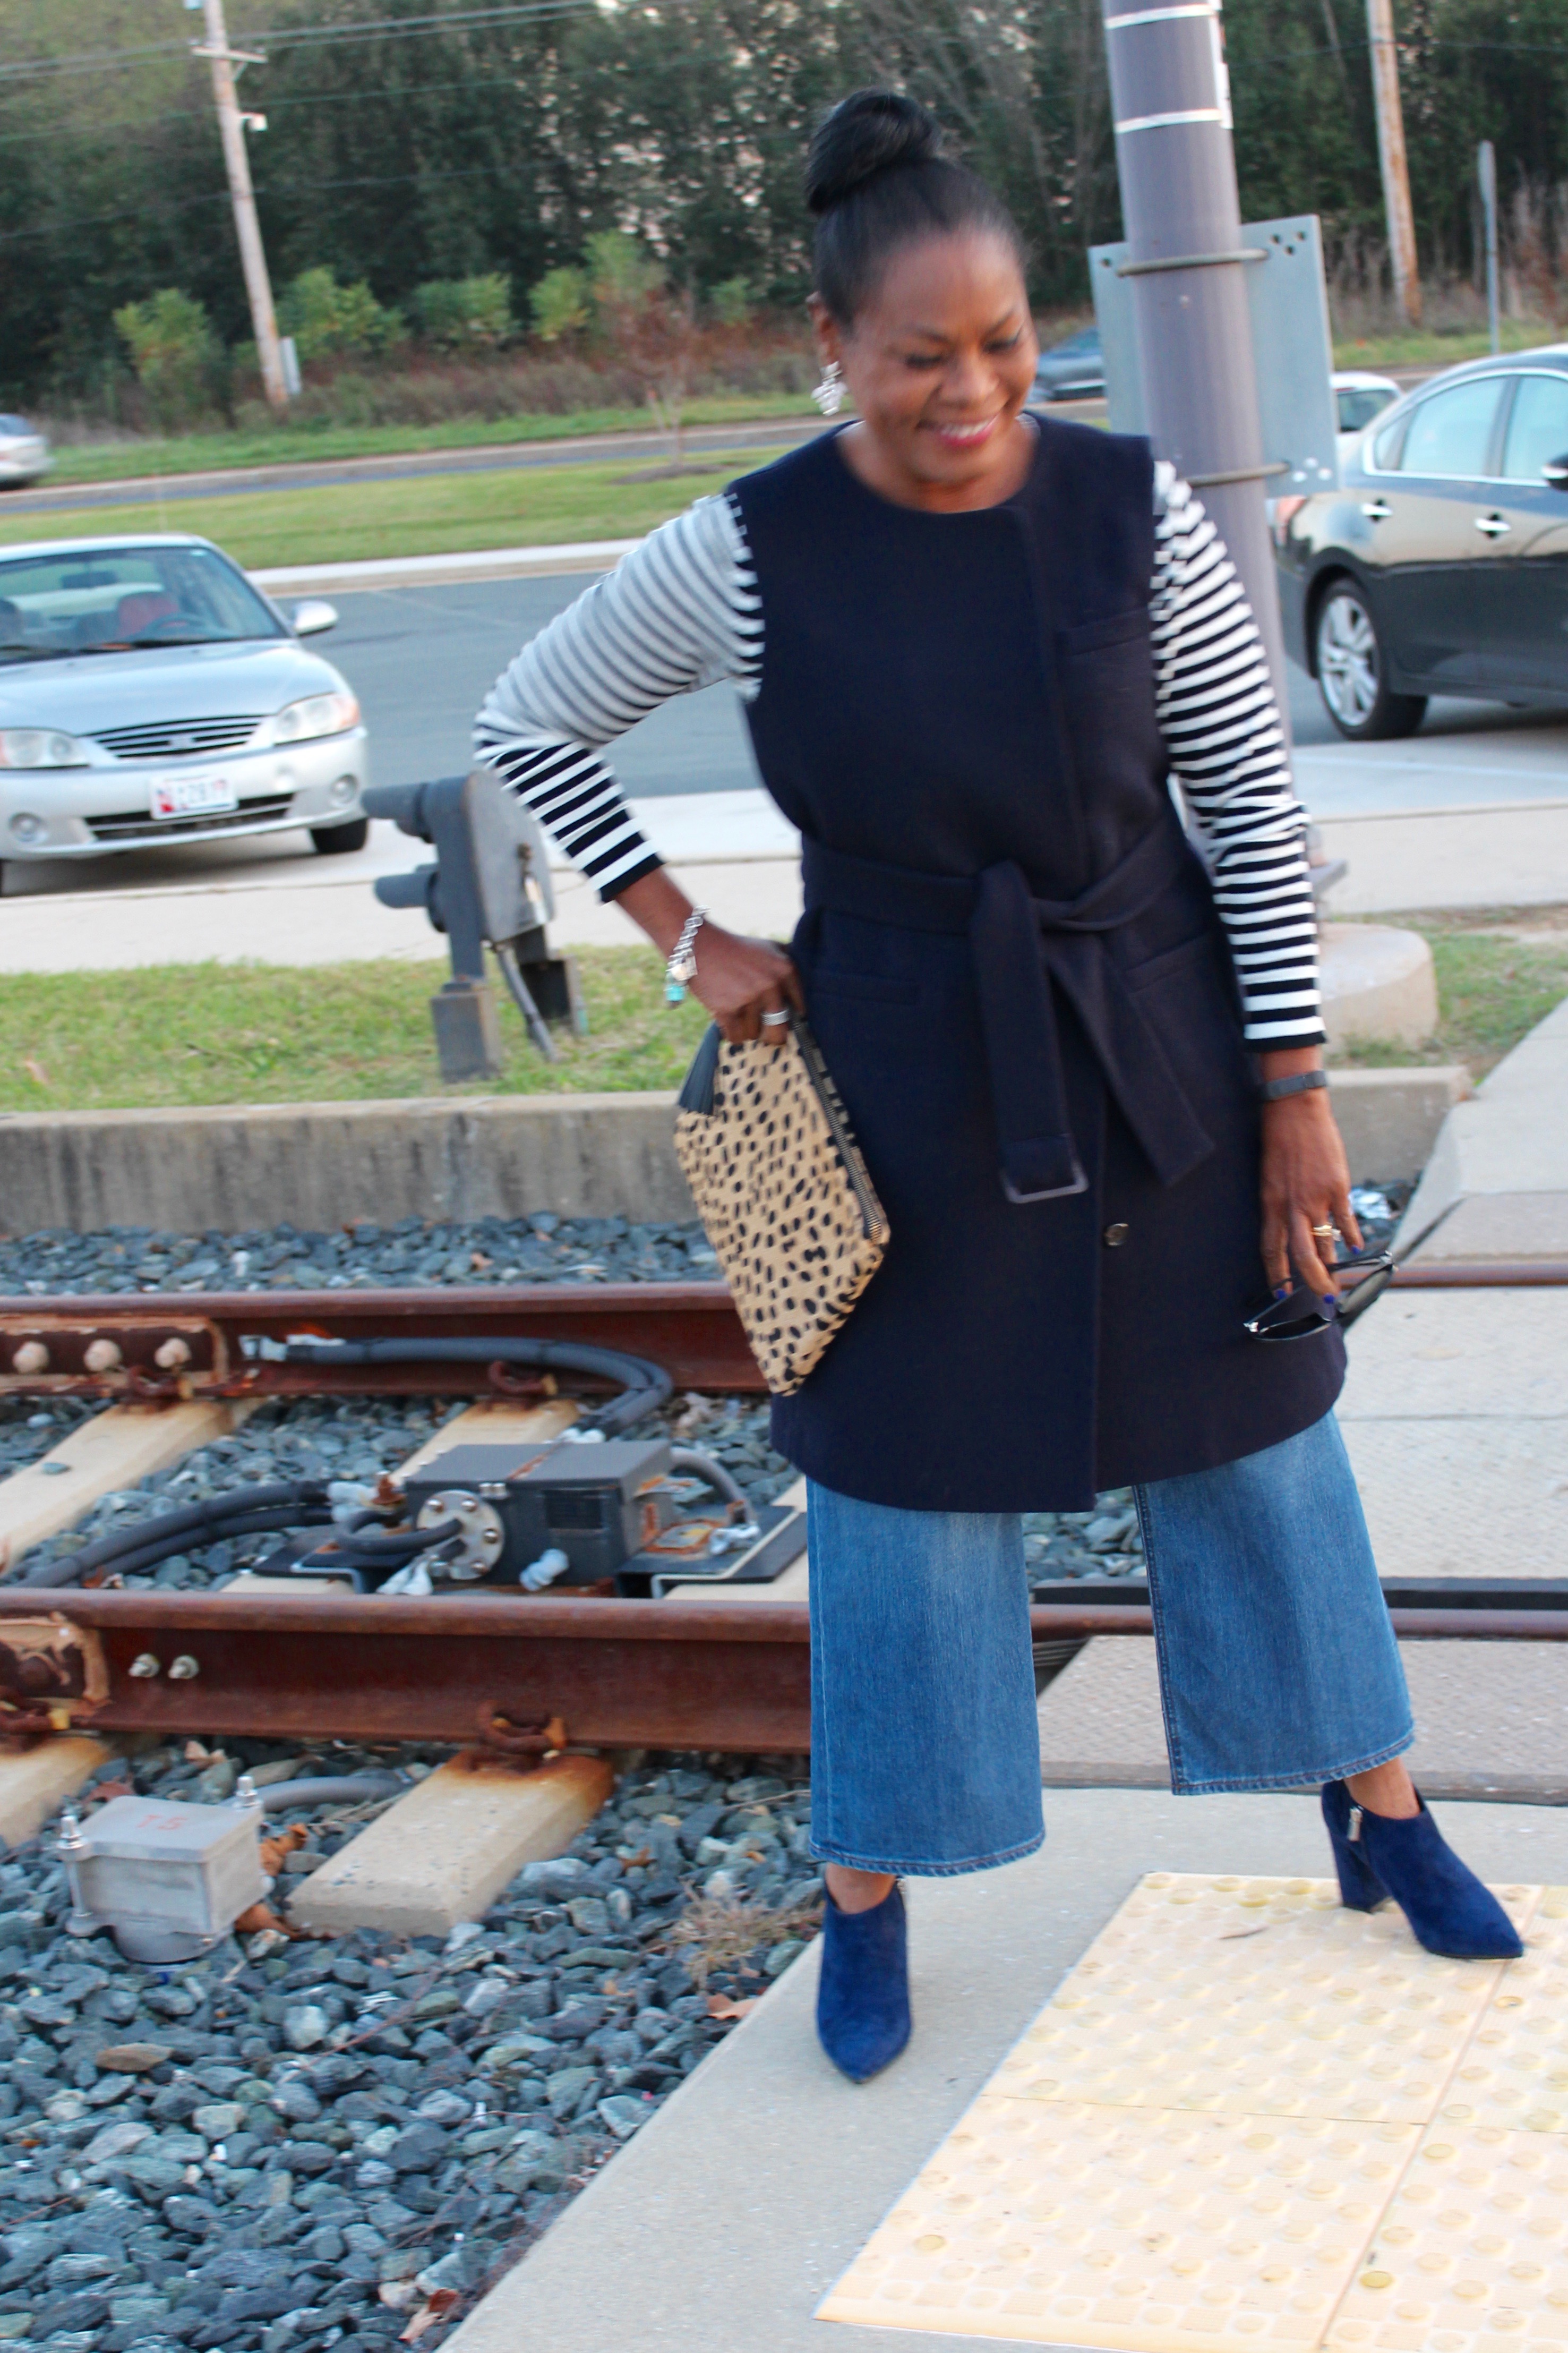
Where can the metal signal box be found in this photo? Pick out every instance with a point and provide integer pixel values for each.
(169, 1879)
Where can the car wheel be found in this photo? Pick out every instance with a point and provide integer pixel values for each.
(332, 841)
(1353, 674)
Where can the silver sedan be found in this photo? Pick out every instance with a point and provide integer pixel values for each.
(149, 694)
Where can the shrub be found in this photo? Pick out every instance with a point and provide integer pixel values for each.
(176, 353)
(621, 272)
(560, 304)
(326, 318)
(730, 302)
(465, 313)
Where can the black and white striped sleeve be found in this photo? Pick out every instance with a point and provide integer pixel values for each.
(1221, 725)
(680, 612)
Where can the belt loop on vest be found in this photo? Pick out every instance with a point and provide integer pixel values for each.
(1040, 1161)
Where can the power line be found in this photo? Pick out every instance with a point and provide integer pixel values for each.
(288, 36)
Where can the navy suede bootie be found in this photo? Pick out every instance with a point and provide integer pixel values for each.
(1449, 1909)
(863, 1992)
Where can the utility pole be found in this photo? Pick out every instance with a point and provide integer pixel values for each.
(1485, 171)
(1170, 107)
(253, 258)
(1392, 157)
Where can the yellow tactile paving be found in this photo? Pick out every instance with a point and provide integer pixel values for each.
(1060, 2224)
(1472, 2255)
(1268, 1999)
(1248, 2117)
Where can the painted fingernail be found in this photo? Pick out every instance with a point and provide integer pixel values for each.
(1283, 1292)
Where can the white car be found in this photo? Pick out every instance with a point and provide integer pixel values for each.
(1358, 399)
(150, 693)
(24, 453)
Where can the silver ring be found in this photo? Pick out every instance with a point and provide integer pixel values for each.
(775, 1020)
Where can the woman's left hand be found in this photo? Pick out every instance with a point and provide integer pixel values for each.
(1306, 1183)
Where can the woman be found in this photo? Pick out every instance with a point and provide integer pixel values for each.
(974, 648)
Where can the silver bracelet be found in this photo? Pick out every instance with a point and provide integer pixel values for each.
(681, 967)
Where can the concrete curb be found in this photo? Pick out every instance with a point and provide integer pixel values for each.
(1497, 1183)
(584, 1155)
(412, 571)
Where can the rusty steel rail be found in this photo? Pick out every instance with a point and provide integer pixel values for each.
(187, 1345)
(183, 1344)
(514, 1673)
(1481, 1275)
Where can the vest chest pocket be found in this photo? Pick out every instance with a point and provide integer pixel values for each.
(1106, 670)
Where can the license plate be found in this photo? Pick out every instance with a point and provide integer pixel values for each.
(193, 796)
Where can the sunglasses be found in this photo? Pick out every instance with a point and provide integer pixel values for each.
(1302, 1313)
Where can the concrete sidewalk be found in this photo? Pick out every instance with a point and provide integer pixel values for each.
(1497, 1184)
(724, 2222)
(271, 901)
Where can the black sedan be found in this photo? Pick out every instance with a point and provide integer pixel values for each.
(1440, 566)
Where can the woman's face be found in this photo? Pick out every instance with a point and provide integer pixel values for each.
(939, 361)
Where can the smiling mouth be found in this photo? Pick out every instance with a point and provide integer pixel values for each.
(966, 436)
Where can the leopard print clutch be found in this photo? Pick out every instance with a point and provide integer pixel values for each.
(781, 1189)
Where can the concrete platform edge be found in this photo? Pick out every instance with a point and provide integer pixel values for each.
(599, 1156)
(727, 2219)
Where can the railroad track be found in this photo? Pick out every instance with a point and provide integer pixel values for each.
(515, 1672)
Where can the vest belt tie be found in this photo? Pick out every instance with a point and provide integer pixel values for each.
(1020, 946)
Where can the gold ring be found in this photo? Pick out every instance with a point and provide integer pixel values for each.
(1327, 1233)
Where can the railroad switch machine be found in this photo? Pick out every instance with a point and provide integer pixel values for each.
(629, 1516)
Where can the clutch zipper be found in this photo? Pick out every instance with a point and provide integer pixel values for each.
(873, 1218)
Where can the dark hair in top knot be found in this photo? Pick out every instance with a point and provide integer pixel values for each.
(876, 178)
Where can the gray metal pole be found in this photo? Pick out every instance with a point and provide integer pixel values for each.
(1170, 104)
(1486, 173)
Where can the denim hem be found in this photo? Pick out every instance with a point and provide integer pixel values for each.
(887, 1866)
(1185, 1789)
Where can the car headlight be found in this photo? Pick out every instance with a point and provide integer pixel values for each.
(40, 747)
(319, 714)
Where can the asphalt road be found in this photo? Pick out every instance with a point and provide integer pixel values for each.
(422, 659)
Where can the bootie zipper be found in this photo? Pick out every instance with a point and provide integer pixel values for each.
(1353, 1833)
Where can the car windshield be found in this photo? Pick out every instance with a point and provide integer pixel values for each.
(109, 600)
(1359, 404)
(13, 425)
(1085, 340)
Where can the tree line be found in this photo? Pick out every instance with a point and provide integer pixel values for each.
(496, 151)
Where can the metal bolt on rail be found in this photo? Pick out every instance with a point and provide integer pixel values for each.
(490, 885)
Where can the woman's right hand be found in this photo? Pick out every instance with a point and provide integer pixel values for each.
(736, 980)
(739, 980)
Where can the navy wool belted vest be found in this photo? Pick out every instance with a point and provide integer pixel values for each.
(1013, 963)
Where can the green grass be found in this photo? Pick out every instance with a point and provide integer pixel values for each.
(1493, 985)
(1419, 348)
(200, 453)
(431, 515)
(175, 1034)
(213, 1033)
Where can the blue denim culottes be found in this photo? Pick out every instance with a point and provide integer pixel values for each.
(1278, 1665)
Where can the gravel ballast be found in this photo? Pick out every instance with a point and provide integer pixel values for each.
(289, 2145)
(303, 2144)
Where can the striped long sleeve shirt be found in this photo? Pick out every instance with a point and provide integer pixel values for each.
(683, 612)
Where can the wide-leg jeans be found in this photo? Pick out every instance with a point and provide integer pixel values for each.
(1278, 1665)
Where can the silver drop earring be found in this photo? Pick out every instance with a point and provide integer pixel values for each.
(830, 394)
